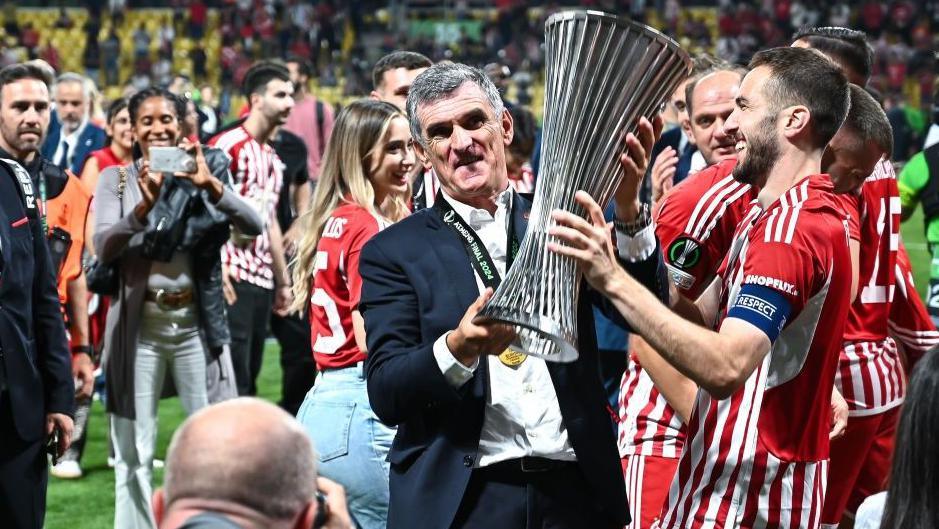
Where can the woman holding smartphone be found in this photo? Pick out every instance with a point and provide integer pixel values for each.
(165, 317)
(363, 187)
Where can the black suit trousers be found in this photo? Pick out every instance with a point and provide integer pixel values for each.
(23, 475)
(558, 499)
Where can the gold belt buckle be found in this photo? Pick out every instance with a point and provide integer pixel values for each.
(161, 301)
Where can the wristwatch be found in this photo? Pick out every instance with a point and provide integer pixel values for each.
(86, 349)
(643, 220)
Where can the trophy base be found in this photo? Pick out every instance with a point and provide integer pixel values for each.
(537, 335)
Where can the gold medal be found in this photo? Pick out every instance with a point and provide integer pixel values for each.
(512, 358)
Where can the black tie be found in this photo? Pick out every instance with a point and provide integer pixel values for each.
(63, 160)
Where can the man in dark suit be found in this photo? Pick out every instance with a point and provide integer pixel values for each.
(36, 386)
(72, 137)
(507, 441)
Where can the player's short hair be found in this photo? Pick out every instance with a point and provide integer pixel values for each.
(848, 47)
(441, 80)
(804, 77)
(867, 121)
(19, 71)
(409, 60)
(261, 73)
(303, 66)
(713, 66)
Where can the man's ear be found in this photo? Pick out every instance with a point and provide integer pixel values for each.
(374, 95)
(508, 127)
(305, 518)
(158, 503)
(686, 128)
(420, 152)
(796, 120)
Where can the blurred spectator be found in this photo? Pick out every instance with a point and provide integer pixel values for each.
(197, 16)
(310, 119)
(91, 60)
(518, 154)
(110, 55)
(64, 21)
(198, 58)
(141, 42)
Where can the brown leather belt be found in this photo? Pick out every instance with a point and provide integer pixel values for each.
(167, 300)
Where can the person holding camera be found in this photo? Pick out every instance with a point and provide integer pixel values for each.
(160, 221)
(246, 464)
(37, 398)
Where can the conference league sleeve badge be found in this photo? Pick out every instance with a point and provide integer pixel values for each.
(682, 256)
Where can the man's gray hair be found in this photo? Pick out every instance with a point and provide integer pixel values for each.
(441, 80)
(72, 77)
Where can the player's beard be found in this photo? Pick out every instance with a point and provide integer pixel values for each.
(761, 154)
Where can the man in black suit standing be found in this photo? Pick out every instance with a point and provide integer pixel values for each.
(486, 440)
(36, 387)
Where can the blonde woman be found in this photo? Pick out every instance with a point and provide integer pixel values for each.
(362, 188)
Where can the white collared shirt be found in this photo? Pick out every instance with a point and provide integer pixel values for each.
(522, 415)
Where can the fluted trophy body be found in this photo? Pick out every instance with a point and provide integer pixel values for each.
(603, 72)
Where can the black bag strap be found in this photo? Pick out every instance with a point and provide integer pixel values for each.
(320, 119)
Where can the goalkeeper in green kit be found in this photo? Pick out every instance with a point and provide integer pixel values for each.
(919, 183)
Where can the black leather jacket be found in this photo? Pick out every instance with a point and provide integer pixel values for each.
(184, 219)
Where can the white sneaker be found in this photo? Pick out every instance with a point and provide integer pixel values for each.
(158, 463)
(66, 470)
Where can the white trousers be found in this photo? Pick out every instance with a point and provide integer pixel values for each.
(169, 340)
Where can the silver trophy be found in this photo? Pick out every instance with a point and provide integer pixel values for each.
(603, 72)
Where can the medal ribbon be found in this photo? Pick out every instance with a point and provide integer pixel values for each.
(479, 257)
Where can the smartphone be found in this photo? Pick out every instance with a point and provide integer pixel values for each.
(52, 446)
(171, 160)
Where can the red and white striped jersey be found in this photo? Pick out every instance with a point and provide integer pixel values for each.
(910, 325)
(337, 285)
(257, 175)
(695, 224)
(870, 375)
(759, 457)
(647, 424)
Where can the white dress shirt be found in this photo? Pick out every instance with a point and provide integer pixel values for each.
(522, 415)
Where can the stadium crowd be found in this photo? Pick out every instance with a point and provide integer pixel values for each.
(761, 357)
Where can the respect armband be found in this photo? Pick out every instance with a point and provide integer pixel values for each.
(763, 307)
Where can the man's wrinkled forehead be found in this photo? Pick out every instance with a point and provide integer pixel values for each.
(468, 98)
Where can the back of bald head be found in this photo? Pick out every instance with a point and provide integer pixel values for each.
(721, 72)
(245, 451)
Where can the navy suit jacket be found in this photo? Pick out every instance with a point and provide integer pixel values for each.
(32, 333)
(417, 284)
(91, 139)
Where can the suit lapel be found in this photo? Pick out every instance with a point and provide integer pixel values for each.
(454, 263)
